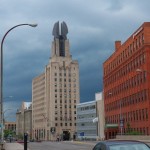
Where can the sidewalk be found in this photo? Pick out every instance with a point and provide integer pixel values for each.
(14, 146)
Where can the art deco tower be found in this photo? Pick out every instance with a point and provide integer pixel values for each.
(55, 93)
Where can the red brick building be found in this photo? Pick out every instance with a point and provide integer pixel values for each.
(126, 81)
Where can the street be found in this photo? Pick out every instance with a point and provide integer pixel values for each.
(68, 145)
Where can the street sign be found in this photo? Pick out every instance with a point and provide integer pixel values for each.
(82, 134)
(121, 122)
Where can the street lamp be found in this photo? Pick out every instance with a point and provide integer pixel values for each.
(139, 70)
(7, 110)
(8, 97)
(5, 98)
(1, 70)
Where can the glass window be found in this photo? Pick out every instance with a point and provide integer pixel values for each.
(138, 146)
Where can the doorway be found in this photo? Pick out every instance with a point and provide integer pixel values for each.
(66, 135)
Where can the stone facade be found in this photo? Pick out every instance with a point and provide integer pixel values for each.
(24, 120)
(10, 126)
(55, 93)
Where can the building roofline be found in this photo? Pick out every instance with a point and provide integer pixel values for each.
(84, 103)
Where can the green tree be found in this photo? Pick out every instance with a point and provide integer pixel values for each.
(8, 133)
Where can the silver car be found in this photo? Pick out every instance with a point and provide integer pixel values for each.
(121, 145)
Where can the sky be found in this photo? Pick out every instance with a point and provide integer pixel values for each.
(94, 26)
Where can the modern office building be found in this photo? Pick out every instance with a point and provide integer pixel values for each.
(127, 85)
(24, 120)
(86, 112)
(55, 93)
(90, 119)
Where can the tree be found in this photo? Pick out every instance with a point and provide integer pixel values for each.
(8, 133)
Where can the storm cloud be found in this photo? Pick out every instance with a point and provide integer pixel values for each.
(94, 26)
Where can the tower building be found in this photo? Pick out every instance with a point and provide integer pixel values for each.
(55, 93)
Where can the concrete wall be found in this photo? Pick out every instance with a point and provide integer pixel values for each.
(133, 137)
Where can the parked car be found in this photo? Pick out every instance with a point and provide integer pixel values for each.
(121, 145)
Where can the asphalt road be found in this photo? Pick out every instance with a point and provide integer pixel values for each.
(68, 145)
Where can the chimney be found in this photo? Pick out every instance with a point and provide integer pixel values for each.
(117, 45)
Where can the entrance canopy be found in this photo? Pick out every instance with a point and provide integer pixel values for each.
(111, 126)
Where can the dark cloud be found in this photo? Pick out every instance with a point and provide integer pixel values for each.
(93, 26)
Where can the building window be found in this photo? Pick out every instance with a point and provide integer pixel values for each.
(142, 38)
(143, 116)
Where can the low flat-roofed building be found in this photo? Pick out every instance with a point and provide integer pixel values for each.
(90, 119)
(86, 112)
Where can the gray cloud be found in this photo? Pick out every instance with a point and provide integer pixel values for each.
(94, 26)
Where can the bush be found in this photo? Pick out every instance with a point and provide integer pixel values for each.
(133, 133)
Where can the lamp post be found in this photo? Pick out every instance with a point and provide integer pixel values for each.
(1, 71)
